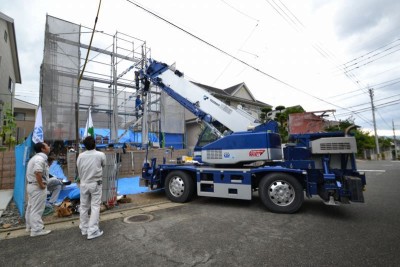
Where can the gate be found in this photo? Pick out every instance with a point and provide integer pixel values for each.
(110, 175)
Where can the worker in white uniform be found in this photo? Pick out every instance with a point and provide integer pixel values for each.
(37, 175)
(90, 170)
(54, 186)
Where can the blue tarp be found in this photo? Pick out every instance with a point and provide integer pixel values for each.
(174, 140)
(130, 186)
(56, 170)
(126, 186)
(128, 137)
(68, 191)
(171, 139)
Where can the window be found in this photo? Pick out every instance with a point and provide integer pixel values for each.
(5, 36)
(10, 85)
(19, 116)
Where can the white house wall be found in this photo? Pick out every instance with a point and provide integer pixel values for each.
(6, 65)
(243, 93)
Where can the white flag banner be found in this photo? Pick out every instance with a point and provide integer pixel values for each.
(89, 129)
(37, 135)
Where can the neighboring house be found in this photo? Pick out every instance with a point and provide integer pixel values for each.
(9, 65)
(232, 96)
(24, 114)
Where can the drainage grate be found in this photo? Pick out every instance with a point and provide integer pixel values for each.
(139, 218)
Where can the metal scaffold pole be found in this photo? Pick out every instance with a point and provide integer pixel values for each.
(114, 121)
(106, 81)
(146, 106)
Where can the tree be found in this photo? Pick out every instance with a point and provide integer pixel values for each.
(385, 143)
(8, 130)
(264, 112)
(343, 125)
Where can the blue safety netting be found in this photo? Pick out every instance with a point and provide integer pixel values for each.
(125, 136)
(170, 139)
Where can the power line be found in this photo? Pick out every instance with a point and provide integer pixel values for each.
(383, 105)
(373, 60)
(382, 118)
(376, 86)
(239, 11)
(244, 43)
(226, 53)
(298, 26)
(355, 59)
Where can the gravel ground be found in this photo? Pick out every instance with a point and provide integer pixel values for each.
(10, 217)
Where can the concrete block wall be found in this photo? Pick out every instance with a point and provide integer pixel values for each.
(7, 169)
(131, 163)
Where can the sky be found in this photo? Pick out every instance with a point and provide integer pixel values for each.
(320, 54)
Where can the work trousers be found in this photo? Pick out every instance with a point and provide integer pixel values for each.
(54, 186)
(35, 207)
(90, 199)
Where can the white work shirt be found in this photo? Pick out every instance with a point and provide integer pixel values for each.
(38, 163)
(90, 166)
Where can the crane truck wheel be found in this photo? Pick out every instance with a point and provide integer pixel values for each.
(179, 186)
(281, 193)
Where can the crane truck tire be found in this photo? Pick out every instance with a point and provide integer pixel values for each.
(281, 193)
(179, 186)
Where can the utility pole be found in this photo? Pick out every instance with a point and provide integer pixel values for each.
(371, 94)
(394, 141)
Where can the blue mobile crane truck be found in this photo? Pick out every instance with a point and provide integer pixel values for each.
(248, 157)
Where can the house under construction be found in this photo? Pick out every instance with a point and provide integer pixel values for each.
(108, 88)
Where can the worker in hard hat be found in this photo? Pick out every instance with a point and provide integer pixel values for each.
(138, 106)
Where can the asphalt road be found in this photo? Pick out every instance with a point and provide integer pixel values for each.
(220, 232)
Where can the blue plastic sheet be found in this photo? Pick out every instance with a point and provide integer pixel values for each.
(56, 170)
(130, 186)
(66, 191)
(126, 186)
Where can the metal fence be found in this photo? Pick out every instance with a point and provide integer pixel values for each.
(110, 182)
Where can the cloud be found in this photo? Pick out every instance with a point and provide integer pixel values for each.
(367, 23)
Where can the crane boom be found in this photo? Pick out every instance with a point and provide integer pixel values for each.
(197, 100)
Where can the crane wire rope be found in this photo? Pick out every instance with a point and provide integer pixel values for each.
(90, 44)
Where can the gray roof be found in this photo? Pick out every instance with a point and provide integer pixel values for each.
(231, 90)
(228, 92)
(211, 89)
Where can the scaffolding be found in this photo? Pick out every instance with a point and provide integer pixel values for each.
(108, 85)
